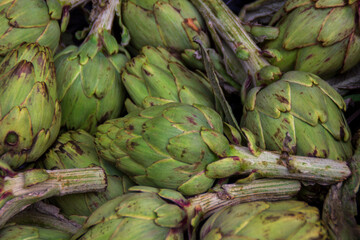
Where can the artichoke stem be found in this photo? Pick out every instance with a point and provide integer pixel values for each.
(273, 165)
(46, 215)
(233, 33)
(28, 187)
(102, 17)
(257, 190)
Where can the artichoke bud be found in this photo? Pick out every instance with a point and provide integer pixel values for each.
(76, 149)
(265, 220)
(330, 46)
(155, 73)
(29, 21)
(300, 114)
(27, 80)
(176, 160)
(89, 86)
(147, 213)
(20, 232)
(170, 24)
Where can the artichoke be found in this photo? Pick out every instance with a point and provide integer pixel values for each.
(30, 113)
(29, 21)
(88, 77)
(265, 220)
(320, 37)
(182, 147)
(155, 76)
(76, 149)
(162, 146)
(168, 23)
(299, 114)
(21, 232)
(144, 215)
(90, 91)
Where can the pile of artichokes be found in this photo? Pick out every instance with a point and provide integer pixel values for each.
(179, 119)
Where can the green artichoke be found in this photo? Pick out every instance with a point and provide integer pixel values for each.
(300, 114)
(155, 76)
(25, 232)
(144, 215)
(169, 23)
(89, 87)
(30, 113)
(320, 37)
(162, 146)
(29, 21)
(265, 220)
(76, 149)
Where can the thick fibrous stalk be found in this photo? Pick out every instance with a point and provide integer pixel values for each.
(257, 190)
(228, 26)
(273, 165)
(103, 16)
(29, 187)
(45, 215)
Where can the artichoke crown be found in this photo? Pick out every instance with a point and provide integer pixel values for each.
(265, 220)
(29, 21)
(138, 215)
(163, 146)
(168, 23)
(89, 87)
(321, 37)
(300, 114)
(29, 112)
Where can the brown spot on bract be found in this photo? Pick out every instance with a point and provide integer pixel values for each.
(272, 218)
(281, 99)
(190, 22)
(313, 154)
(76, 147)
(191, 120)
(285, 120)
(134, 144)
(328, 59)
(147, 73)
(310, 56)
(24, 67)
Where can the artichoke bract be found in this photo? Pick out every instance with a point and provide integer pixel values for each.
(162, 146)
(320, 37)
(300, 114)
(265, 220)
(21, 232)
(76, 149)
(169, 23)
(30, 113)
(29, 21)
(90, 89)
(155, 77)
